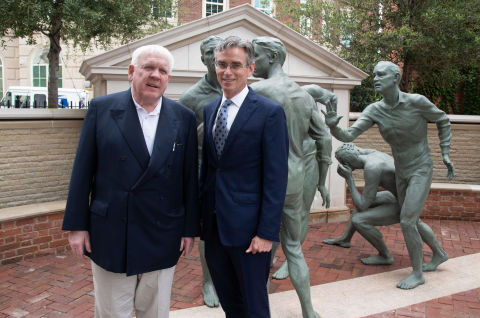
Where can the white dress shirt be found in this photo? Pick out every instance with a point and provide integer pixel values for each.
(232, 109)
(149, 123)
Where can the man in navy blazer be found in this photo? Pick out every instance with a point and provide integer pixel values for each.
(133, 202)
(243, 182)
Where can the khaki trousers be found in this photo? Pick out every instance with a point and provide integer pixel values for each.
(116, 295)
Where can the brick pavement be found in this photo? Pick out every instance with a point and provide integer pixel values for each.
(61, 286)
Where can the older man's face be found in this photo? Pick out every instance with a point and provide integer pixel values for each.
(384, 79)
(149, 78)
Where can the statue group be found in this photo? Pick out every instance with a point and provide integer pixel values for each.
(406, 177)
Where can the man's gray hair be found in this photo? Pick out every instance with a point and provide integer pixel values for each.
(272, 45)
(233, 42)
(154, 49)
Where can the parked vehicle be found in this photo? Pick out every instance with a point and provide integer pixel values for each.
(37, 97)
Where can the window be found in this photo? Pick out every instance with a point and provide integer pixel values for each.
(40, 69)
(166, 13)
(214, 6)
(263, 5)
(40, 76)
(22, 101)
(39, 101)
(60, 76)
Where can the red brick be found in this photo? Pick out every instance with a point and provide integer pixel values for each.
(42, 226)
(10, 246)
(42, 239)
(25, 250)
(23, 222)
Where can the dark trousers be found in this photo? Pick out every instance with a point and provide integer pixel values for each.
(240, 279)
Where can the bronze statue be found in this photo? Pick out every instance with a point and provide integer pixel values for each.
(402, 119)
(196, 97)
(310, 183)
(373, 208)
(303, 119)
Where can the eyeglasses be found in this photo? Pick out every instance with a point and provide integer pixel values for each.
(235, 66)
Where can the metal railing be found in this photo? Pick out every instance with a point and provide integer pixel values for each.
(63, 105)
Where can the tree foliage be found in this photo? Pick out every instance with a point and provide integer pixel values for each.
(82, 22)
(435, 42)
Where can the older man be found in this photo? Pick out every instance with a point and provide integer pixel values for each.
(132, 204)
(402, 119)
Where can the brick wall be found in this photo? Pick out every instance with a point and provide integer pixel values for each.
(32, 237)
(464, 152)
(189, 10)
(36, 160)
(447, 205)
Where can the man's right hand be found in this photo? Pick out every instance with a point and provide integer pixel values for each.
(331, 118)
(79, 241)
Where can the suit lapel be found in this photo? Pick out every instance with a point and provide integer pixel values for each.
(126, 118)
(210, 122)
(246, 110)
(165, 135)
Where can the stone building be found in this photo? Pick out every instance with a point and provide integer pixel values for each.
(22, 64)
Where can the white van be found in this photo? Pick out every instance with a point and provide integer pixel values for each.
(37, 97)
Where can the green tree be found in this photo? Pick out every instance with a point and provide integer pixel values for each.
(82, 22)
(435, 42)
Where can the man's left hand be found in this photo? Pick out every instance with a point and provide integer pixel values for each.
(450, 167)
(186, 245)
(259, 245)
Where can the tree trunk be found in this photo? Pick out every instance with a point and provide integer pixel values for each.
(54, 53)
(407, 72)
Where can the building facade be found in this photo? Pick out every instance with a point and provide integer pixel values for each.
(22, 64)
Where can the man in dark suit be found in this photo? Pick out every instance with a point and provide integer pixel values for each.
(132, 204)
(243, 183)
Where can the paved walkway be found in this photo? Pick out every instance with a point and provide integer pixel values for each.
(61, 286)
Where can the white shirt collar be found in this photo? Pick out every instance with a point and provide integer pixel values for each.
(154, 112)
(239, 98)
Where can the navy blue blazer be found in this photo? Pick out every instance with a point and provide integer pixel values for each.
(245, 188)
(135, 207)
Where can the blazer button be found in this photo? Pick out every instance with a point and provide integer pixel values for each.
(169, 166)
(123, 158)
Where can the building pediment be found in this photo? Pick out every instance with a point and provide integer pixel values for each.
(306, 61)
